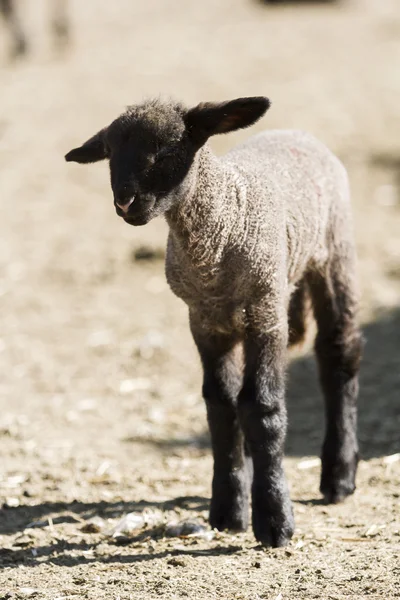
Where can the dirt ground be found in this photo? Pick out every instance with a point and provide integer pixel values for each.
(100, 406)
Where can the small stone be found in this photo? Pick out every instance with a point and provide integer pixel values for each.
(128, 386)
(309, 463)
(146, 253)
(128, 524)
(177, 561)
(188, 528)
(392, 458)
(11, 502)
(29, 592)
(23, 541)
(94, 525)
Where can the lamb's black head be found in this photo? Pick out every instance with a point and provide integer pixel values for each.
(151, 149)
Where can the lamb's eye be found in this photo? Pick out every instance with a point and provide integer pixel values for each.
(163, 154)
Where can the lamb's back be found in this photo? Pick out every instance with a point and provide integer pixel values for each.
(288, 160)
(296, 184)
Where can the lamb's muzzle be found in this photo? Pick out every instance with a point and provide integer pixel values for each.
(125, 207)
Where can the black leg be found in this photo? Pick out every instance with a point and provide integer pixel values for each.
(263, 416)
(60, 23)
(338, 348)
(221, 360)
(19, 45)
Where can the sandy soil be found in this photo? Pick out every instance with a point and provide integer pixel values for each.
(101, 413)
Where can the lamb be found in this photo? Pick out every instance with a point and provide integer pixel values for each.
(11, 17)
(252, 235)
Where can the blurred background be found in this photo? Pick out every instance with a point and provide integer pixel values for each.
(99, 376)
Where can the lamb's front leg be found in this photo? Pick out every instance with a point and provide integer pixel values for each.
(223, 376)
(262, 412)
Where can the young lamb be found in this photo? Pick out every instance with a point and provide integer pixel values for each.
(12, 18)
(252, 235)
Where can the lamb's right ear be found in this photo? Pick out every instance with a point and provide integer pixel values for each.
(93, 150)
(209, 118)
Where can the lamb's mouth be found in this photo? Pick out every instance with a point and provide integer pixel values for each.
(137, 220)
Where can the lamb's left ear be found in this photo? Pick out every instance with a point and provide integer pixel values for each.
(93, 150)
(209, 118)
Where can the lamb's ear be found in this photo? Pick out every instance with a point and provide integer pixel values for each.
(209, 118)
(93, 150)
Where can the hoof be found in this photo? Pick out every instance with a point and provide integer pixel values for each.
(274, 530)
(334, 493)
(232, 518)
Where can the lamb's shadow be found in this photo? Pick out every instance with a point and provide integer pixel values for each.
(379, 404)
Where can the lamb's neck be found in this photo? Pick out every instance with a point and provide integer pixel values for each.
(202, 223)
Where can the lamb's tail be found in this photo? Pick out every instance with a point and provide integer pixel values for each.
(299, 309)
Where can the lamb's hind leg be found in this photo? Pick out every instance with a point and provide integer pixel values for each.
(338, 348)
(220, 355)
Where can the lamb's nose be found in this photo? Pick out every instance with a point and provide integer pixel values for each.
(125, 206)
